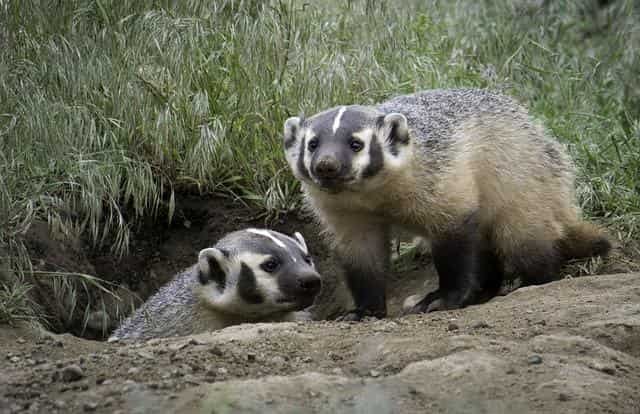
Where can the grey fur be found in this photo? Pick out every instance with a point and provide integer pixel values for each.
(193, 302)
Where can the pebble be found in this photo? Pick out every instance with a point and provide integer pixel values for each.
(178, 346)
(480, 325)
(215, 351)
(563, 397)
(374, 373)
(452, 327)
(14, 359)
(534, 360)
(251, 357)
(59, 404)
(334, 356)
(72, 373)
(133, 371)
(278, 360)
(223, 371)
(21, 341)
(90, 406)
(307, 359)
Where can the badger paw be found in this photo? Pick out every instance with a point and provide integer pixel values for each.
(434, 301)
(357, 315)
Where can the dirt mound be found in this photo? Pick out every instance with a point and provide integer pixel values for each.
(157, 253)
(569, 346)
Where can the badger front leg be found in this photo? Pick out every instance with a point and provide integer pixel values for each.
(468, 269)
(363, 249)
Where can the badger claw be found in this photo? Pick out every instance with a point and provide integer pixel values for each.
(435, 301)
(357, 315)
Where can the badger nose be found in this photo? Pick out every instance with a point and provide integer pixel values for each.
(309, 284)
(327, 167)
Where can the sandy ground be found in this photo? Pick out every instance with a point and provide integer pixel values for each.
(568, 346)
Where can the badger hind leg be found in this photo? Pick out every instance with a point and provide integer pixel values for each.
(539, 258)
(469, 270)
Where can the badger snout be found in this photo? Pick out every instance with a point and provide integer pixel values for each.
(327, 168)
(308, 285)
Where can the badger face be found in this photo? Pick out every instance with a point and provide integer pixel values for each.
(346, 148)
(255, 273)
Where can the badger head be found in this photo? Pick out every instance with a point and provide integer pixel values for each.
(347, 148)
(256, 273)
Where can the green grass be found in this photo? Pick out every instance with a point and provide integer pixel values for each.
(108, 108)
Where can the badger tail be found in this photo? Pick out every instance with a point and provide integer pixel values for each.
(584, 239)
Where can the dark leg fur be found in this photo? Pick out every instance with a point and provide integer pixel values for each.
(368, 291)
(468, 270)
(536, 263)
(365, 257)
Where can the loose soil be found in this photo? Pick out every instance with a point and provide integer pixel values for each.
(568, 346)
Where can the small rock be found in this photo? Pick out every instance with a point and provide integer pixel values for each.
(216, 351)
(481, 325)
(34, 408)
(14, 359)
(534, 360)
(563, 397)
(251, 357)
(72, 373)
(452, 327)
(278, 360)
(194, 341)
(223, 371)
(334, 356)
(178, 346)
(337, 371)
(145, 355)
(59, 404)
(21, 341)
(374, 373)
(307, 359)
(133, 370)
(89, 406)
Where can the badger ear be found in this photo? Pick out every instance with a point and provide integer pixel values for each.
(291, 127)
(301, 241)
(213, 265)
(395, 128)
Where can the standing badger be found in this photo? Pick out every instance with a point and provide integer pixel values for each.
(252, 275)
(466, 169)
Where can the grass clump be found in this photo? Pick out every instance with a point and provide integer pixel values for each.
(108, 109)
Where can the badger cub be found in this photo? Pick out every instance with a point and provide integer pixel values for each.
(252, 275)
(467, 169)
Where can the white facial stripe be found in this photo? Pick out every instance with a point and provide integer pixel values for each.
(253, 260)
(300, 240)
(338, 118)
(362, 159)
(266, 233)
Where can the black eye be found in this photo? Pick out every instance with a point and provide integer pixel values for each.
(270, 265)
(308, 259)
(356, 145)
(313, 144)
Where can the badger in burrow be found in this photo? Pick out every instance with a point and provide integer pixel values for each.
(251, 275)
(467, 169)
